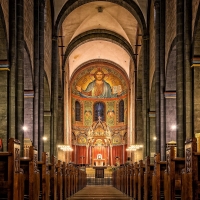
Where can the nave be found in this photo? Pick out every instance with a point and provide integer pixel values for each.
(100, 192)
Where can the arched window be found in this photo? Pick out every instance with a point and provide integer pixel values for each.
(99, 110)
(77, 111)
(121, 111)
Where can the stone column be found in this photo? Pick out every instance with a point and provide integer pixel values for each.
(54, 95)
(108, 155)
(20, 74)
(157, 73)
(41, 80)
(12, 74)
(180, 78)
(162, 81)
(145, 96)
(188, 69)
(86, 159)
(90, 155)
(36, 75)
(111, 156)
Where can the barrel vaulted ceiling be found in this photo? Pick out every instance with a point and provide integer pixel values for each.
(99, 30)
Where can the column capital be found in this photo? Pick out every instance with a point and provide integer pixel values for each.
(157, 4)
(54, 38)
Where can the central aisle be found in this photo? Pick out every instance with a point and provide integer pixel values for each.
(100, 192)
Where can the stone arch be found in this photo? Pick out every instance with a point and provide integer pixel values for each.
(3, 38)
(47, 114)
(196, 35)
(28, 94)
(152, 118)
(131, 6)
(103, 34)
(170, 94)
(4, 65)
(196, 72)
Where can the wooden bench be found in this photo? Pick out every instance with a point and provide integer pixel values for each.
(11, 176)
(149, 168)
(64, 180)
(31, 175)
(172, 179)
(59, 179)
(128, 174)
(191, 173)
(141, 180)
(131, 179)
(53, 178)
(158, 178)
(135, 181)
(43, 166)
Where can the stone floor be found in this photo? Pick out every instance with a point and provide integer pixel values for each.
(104, 192)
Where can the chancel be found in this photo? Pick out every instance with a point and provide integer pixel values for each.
(99, 93)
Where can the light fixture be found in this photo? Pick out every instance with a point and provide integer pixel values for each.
(44, 138)
(154, 138)
(173, 127)
(134, 147)
(24, 128)
(65, 147)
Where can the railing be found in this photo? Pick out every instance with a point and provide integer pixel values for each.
(107, 180)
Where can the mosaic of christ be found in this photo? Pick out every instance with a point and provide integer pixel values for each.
(99, 82)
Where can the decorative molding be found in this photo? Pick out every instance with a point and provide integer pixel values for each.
(170, 94)
(47, 113)
(152, 113)
(28, 93)
(188, 158)
(195, 62)
(4, 65)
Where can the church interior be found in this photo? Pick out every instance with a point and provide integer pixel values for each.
(100, 92)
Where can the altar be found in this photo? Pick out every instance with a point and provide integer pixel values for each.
(99, 162)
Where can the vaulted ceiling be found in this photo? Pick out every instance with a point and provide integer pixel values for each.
(99, 30)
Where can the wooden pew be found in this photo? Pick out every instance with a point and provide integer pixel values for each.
(68, 171)
(149, 168)
(172, 179)
(158, 178)
(11, 176)
(128, 174)
(53, 178)
(191, 174)
(43, 166)
(140, 180)
(135, 181)
(64, 180)
(131, 179)
(60, 180)
(31, 175)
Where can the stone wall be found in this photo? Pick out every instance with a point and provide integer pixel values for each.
(4, 6)
(29, 26)
(48, 42)
(3, 108)
(170, 21)
(195, 5)
(152, 46)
